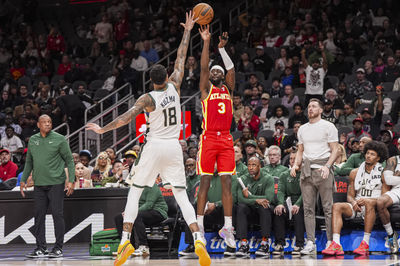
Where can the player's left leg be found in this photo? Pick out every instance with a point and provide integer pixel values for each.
(383, 203)
(369, 221)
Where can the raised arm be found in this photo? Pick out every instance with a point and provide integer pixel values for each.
(303, 58)
(324, 61)
(144, 103)
(230, 67)
(179, 68)
(204, 61)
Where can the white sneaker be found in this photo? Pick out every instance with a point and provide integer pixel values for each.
(142, 251)
(309, 249)
(227, 235)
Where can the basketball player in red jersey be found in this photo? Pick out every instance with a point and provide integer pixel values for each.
(216, 144)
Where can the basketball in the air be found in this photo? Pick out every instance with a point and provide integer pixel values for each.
(204, 12)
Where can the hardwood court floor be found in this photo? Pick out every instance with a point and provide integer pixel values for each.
(77, 254)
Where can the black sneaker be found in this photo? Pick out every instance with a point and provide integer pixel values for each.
(38, 253)
(278, 250)
(263, 250)
(56, 253)
(230, 251)
(189, 250)
(296, 250)
(243, 250)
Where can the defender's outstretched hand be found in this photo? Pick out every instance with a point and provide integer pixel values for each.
(96, 128)
(223, 40)
(188, 25)
(205, 32)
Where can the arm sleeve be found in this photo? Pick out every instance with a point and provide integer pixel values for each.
(281, 190)
(19, 143)
(346, 167)
(299, 201)
(68, 159)
(28, 165)
(391, 179)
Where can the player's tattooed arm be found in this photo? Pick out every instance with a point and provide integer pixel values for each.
(179, 68)
(391, 164)
(144, 103)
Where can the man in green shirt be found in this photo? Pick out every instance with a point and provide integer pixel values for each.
(289, 187)
(241, 168)
(191, 178)
(274, 168)
(152, 211)
(354, 161)
(48, 154)
(254, 202)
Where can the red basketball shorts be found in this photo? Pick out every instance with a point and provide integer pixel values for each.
(216, 147)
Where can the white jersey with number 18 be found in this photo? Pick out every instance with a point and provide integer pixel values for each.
(165, 121)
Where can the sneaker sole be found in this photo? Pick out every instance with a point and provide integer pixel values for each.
(37, 257)
(125, 253)
(361, 253)
(201, 251)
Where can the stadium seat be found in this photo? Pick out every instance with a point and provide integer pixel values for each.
(95, 85)
(8, 184)
(369, 95)
(387, 86)
(345, 130)
(240, 77)
(266, 133)
(259, 75)
(275, 101)
(334, 81)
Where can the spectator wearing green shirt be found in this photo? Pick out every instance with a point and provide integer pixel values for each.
(354, 161)
(152, 211)
(192, 179)
(48, 154)
(254, 202)
(241, 168)
(274, 168)
(289, 187)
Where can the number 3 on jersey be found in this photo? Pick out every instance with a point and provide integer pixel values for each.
(222, 109)
(170, 118)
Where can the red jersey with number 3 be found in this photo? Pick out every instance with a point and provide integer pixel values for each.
(217, 109)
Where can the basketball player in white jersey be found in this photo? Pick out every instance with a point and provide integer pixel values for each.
(365, 186)
(391, 175)
(161, 153)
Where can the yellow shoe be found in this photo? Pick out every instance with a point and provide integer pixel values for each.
(124, 251)
(201, 251)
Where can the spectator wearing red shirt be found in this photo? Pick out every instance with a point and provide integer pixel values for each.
(8, 169)
(250, 120)
(65, 65)
(55, 43)
(121, 29)
(17, 70)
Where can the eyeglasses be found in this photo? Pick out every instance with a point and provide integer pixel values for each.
(103, 158)
(189, 165)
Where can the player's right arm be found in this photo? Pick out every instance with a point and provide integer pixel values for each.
(204, 61)
(351, 193)
(303, 58)
(144, 103)
(298, 160)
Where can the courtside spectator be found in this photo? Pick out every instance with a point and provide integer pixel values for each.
(8, 169)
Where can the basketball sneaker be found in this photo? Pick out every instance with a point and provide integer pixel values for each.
(278, 250)
(227, 234)
(296, 250)
(309, 249)
(124, 251)
(56, 253)
(188, 251)
(38, 253)
(230, 251)
(142, 251)
(243, 250)
(333, 249)
(201, 251)
(393, 244)
(363, 249)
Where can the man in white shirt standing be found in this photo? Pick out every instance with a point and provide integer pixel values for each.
(317, 150)
(315, 74)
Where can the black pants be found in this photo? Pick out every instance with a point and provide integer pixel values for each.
(280, 223)
(53, 197)
(144, 218)
(246, 213)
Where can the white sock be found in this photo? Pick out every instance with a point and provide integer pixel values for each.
(228, 221)
(388, 228)
(125, 236)
(336, 238)
(197, 236)
(200, 220)
(366, 237)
